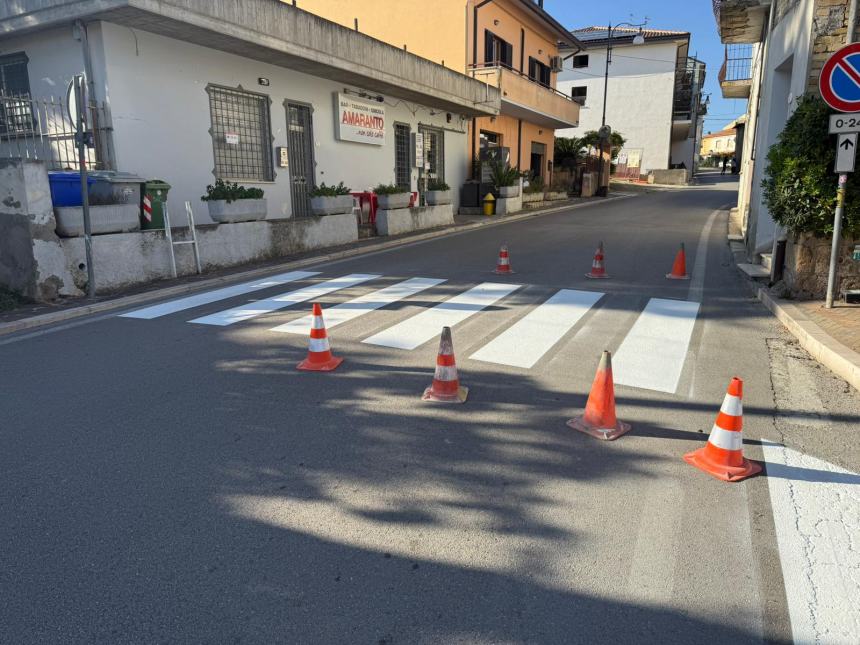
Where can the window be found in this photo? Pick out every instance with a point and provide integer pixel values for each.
(402, 167)
(434, 151)
(580, 61)
(497, 51)
(241, 134)
(16, 114)
(540, 72)
(13, 75)
(578, 94)
(490, 139)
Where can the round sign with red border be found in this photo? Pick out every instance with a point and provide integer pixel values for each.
(839, 82)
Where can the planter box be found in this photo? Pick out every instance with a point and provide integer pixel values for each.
(556, 196)
(405, 220)
(332, 205)
(242, 210)
(507, 192)
(392, 202)
(116, 218)
(532, 197)
(437, 197)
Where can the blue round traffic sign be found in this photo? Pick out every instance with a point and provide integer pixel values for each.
(839, 82)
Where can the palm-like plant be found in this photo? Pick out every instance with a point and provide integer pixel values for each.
(568, 151)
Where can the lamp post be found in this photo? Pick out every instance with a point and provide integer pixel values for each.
(638, 39)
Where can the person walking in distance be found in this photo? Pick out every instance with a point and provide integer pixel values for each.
(725, 163)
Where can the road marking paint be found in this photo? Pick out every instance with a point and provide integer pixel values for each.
(653, 353)
(697, 281)
(282, 301)
(523, 344)
(816, 514)
(417, 330)
(181, 304)
(363, 304)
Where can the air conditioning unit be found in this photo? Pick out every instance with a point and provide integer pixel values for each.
(556, 63)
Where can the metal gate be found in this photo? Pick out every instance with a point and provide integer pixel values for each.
(629, 164)
(434, 156)
(300, 141)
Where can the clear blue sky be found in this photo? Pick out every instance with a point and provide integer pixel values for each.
(695, 16)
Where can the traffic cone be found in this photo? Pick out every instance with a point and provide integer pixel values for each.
(504, 263)
(679, 268)
(597, 269)
(599, 419)
(446, 386)
(723, 455)
(319, 358)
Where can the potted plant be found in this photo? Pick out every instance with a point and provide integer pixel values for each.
(390, 197)
(331, 200)
(229, 202)
(505, 179)
(438, 193)
(534, 192)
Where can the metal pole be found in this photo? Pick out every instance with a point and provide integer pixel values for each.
(837, 238)
(601, 190)
(80, 100)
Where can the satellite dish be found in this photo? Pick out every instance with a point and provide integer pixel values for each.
(72, 99)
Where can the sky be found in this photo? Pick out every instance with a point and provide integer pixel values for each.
(695, 16)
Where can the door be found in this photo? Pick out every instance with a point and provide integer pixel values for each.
(434, 156)
(300, 139)
(538, 155)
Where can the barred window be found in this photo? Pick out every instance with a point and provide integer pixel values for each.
(241, 134)
(16, 111)
(402, 165)
(14, 80)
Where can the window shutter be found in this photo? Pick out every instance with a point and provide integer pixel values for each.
(489, 42)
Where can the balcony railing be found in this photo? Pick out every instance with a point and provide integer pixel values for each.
(689, 80)
(528, 99)
(736, 73)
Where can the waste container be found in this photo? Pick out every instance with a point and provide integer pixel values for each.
(66, 187)
(111, 188)
(152, 204)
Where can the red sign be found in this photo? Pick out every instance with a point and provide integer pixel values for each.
(839, 82)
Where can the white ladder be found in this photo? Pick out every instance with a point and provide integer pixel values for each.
(193, 241)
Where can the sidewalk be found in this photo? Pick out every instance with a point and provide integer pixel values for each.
(35, 315)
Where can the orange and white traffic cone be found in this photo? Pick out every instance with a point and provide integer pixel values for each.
(679, 268)
(597, 268)
(504, 263)
(599, 419)
(446, 386)
(723, 455)
(320, 358)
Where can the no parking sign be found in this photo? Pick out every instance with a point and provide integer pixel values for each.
(839, 82)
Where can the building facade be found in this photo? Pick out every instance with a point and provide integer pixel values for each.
(718, 145)
(262, 93)
(653, 94)
(511, 45)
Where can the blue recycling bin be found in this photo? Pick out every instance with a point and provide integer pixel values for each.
(66, 187)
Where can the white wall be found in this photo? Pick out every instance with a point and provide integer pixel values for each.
(639, 97)
(55, 57)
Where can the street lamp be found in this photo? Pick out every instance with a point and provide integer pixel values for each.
(638, 39)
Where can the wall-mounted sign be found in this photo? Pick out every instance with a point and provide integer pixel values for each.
(359, 121)
(283, 157)
(262, 80)
(418, 149)
(231, 138)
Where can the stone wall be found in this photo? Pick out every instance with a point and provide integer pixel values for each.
(807, 260)
(828, 34)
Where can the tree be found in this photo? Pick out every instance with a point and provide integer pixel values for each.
(568, 151)
(591, 139)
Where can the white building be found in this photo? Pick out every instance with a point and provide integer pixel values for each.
(653, 93)
(248, 91)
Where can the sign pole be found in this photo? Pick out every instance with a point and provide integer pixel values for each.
(80, 94)
(837, 236)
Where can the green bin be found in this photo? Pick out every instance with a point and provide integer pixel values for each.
(152, 204)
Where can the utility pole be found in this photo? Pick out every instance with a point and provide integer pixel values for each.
(81, 136)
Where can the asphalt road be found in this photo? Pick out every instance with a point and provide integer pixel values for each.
(162, 481)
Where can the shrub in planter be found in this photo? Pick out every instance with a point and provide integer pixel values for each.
(390, 196)
(438, 193)
(230, 202)
(331, 200)
(505, 179)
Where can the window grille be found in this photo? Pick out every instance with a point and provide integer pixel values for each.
(16, 116)
(434, 148)
(241, 134)
(402, 167)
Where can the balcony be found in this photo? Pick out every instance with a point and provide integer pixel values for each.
(736, 73)
(687, 104)
(526, 99)
(740, 21)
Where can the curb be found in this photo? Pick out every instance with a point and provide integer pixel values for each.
(839, 359)
(43, 320)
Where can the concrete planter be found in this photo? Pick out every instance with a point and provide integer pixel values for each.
(532, 197)
(332, 205)
(116, 218)
(437, 197)
(405, 220)
(392, 202)
(556, 196)
(506, 192)
(242, 210)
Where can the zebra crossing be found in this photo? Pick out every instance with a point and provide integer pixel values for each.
(651, 355)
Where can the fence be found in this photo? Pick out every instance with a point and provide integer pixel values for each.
(41, 129)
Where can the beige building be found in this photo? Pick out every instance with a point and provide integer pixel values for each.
(718, 144)
(509, 44)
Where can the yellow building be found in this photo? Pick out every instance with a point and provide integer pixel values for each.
(719, 144)
(509, 44)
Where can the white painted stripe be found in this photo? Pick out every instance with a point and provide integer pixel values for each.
(817, 523)
(732, 405)
(446, 373)
(362, 305)
(254, 309)
(181, 304)
(318, 344)
(726, 439)
(416, 331)
(697, 282)
(523, 344)
(317, 322)
(653, 353)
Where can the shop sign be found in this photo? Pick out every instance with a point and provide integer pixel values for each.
(360, 121)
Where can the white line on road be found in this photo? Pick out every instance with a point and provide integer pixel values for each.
(697, 281)
(417, 330)
(816, 514)
(181, 304)
(653, 353)
(254, 309)
(359, 306)
(523, 344)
